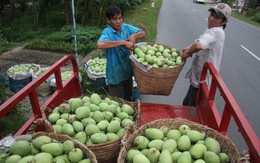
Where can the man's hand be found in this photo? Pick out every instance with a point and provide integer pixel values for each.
(185, 53)
(129, 45)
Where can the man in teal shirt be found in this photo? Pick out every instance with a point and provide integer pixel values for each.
(118, 40)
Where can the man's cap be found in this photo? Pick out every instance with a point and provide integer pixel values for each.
(222, 9)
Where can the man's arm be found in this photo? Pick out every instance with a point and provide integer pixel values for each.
(139, 34)
(111, 44)
(193, 48)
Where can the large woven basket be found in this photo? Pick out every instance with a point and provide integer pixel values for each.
(109, 151)
(62, 138)
(226, 144)
(157, 81)
(104, 152)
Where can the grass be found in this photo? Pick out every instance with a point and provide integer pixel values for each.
(245, 19)
(147, 16)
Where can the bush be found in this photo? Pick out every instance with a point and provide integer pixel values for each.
(63, 40)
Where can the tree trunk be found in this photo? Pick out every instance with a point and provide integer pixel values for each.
(68, 12)
(12, 9)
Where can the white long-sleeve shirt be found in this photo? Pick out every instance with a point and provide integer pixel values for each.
(212, 43)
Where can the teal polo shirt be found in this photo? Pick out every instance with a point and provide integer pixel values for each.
(119, 66)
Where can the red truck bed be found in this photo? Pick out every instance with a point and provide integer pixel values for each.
(205, 112)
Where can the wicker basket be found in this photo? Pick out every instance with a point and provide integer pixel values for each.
(109, 151)
(62, 138)
(98, 81)
(157, 81)
(104, 152)
(226, 144)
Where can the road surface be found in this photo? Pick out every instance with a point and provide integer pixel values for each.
(180, 23)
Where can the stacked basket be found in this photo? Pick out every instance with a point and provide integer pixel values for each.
(226, 144)
(157, 81)
(98, 80)
(104, 152)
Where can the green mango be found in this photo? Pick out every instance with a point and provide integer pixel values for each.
(164, 129)
(126, 122)
(175, 156)
(94, 107)
(76, 155)
(140, 158)
(199, 161)
(185, 157)
(26, 159)
(140, 142)
(157, 143)
(195, 136)
(184, 129)
(53, 117)
(21, 148)
(42, 158)
(127, 109)
(153, 155)
(211, 157)
(102, 125)
(77, 126)
(54, 149)
(174, 134)
(153, 133)
(183, 143)
(112, 136)
(103, 106)
(64, 108)
(75, 103)
(88, 160)
(41, 140)
(165, 157)
(60, 158)
(95, 99)
(224, 158)
(131, 153)
(170, 145)
(81, 137)
(212, 145)
(91, 129)
(197, 151)
(98, 116)
(98, 138)
(68, 129)
(68, 145)
(82, 112)
(13, 159)
(61, 122)
(113, 126)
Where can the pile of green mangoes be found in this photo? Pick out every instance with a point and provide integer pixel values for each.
(65, 75)
(44, 149)
(23, 68)
(97, 65)
(157, 55)
(40, 71)
(91, 119)
(182, 145)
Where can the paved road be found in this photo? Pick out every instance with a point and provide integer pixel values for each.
(180, 22)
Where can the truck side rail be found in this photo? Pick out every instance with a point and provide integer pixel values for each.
(206, 108)
(68, 89)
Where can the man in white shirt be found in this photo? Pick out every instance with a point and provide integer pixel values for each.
(208, 48)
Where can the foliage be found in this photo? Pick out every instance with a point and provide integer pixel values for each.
(256, 17)
(247, 19)
(63, 40)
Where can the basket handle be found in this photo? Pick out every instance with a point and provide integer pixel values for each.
(40, 122)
